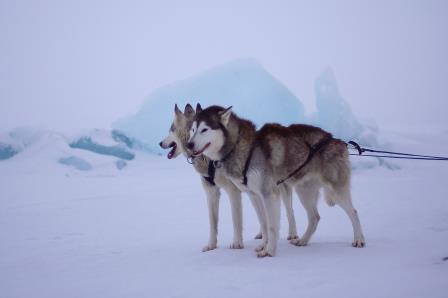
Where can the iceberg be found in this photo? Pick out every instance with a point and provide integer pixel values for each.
(87, 143)
(105, 142)
(75, 162)
(333, 112)
(244, 84)
(120, 164)
(256, 95)
(95, 149)
(7, 151)
(335, 115)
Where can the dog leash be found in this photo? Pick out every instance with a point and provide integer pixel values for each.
(390, 154)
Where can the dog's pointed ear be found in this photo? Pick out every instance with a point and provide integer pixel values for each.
(198, 108)
(189, 112)
(177, 111)
(225, 115)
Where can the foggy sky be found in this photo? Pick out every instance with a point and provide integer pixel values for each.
(78, 64)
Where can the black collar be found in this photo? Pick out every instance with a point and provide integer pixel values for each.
(218, 163)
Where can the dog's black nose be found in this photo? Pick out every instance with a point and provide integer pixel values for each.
(160, 144)
(190, 145)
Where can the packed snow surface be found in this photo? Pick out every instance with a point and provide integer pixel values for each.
(138, 232)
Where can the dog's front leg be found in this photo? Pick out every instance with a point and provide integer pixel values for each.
(261, 214)
(213, 195)
(272, 208)
(237, 216)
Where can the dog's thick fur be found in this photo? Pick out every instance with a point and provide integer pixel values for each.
(178, 136)
(277, 151)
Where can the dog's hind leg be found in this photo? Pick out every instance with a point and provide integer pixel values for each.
(308, 194)
(237, 216)
(344, 199)
(261, 214)
(213, 195)
(286, 195)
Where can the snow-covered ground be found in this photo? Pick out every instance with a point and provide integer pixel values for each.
(138, 232)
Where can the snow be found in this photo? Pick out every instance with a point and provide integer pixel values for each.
(138, 232)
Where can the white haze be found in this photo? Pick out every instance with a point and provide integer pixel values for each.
(74, 64)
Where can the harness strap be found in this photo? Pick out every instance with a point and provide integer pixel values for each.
(246, 165)
(211, 173)
(313, 150)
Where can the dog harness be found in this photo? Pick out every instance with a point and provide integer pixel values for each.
(216, 164)
(313, 150)
(211, 173)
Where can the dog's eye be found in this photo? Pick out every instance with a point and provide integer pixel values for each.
(204, 130)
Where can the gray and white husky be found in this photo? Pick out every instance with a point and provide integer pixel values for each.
(302, 157)
(177, 140)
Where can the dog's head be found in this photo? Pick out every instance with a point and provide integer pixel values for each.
(209, 131)
(179, 131)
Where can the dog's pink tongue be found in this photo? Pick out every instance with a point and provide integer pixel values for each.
(171, 153)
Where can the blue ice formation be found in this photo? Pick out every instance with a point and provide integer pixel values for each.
(121, 137)
(120, 164)
(76, 162)
(244, 84)
(87, 143)
(254, 94)
(130, 142)
(7, 151)
(334, 113)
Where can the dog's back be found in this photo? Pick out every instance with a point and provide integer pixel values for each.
(287, 148)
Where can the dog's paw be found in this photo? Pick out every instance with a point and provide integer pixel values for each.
(236, 245)
(292, 237)
(298, 242)
(209, 247)
(264, 253)
(359, 243)
(258, 236)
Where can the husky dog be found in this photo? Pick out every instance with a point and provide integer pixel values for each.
(302, 157)
(177, 140)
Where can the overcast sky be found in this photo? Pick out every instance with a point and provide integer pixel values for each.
(78, 64)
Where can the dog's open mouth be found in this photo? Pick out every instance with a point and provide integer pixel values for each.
(196, 153)
(173, 147)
